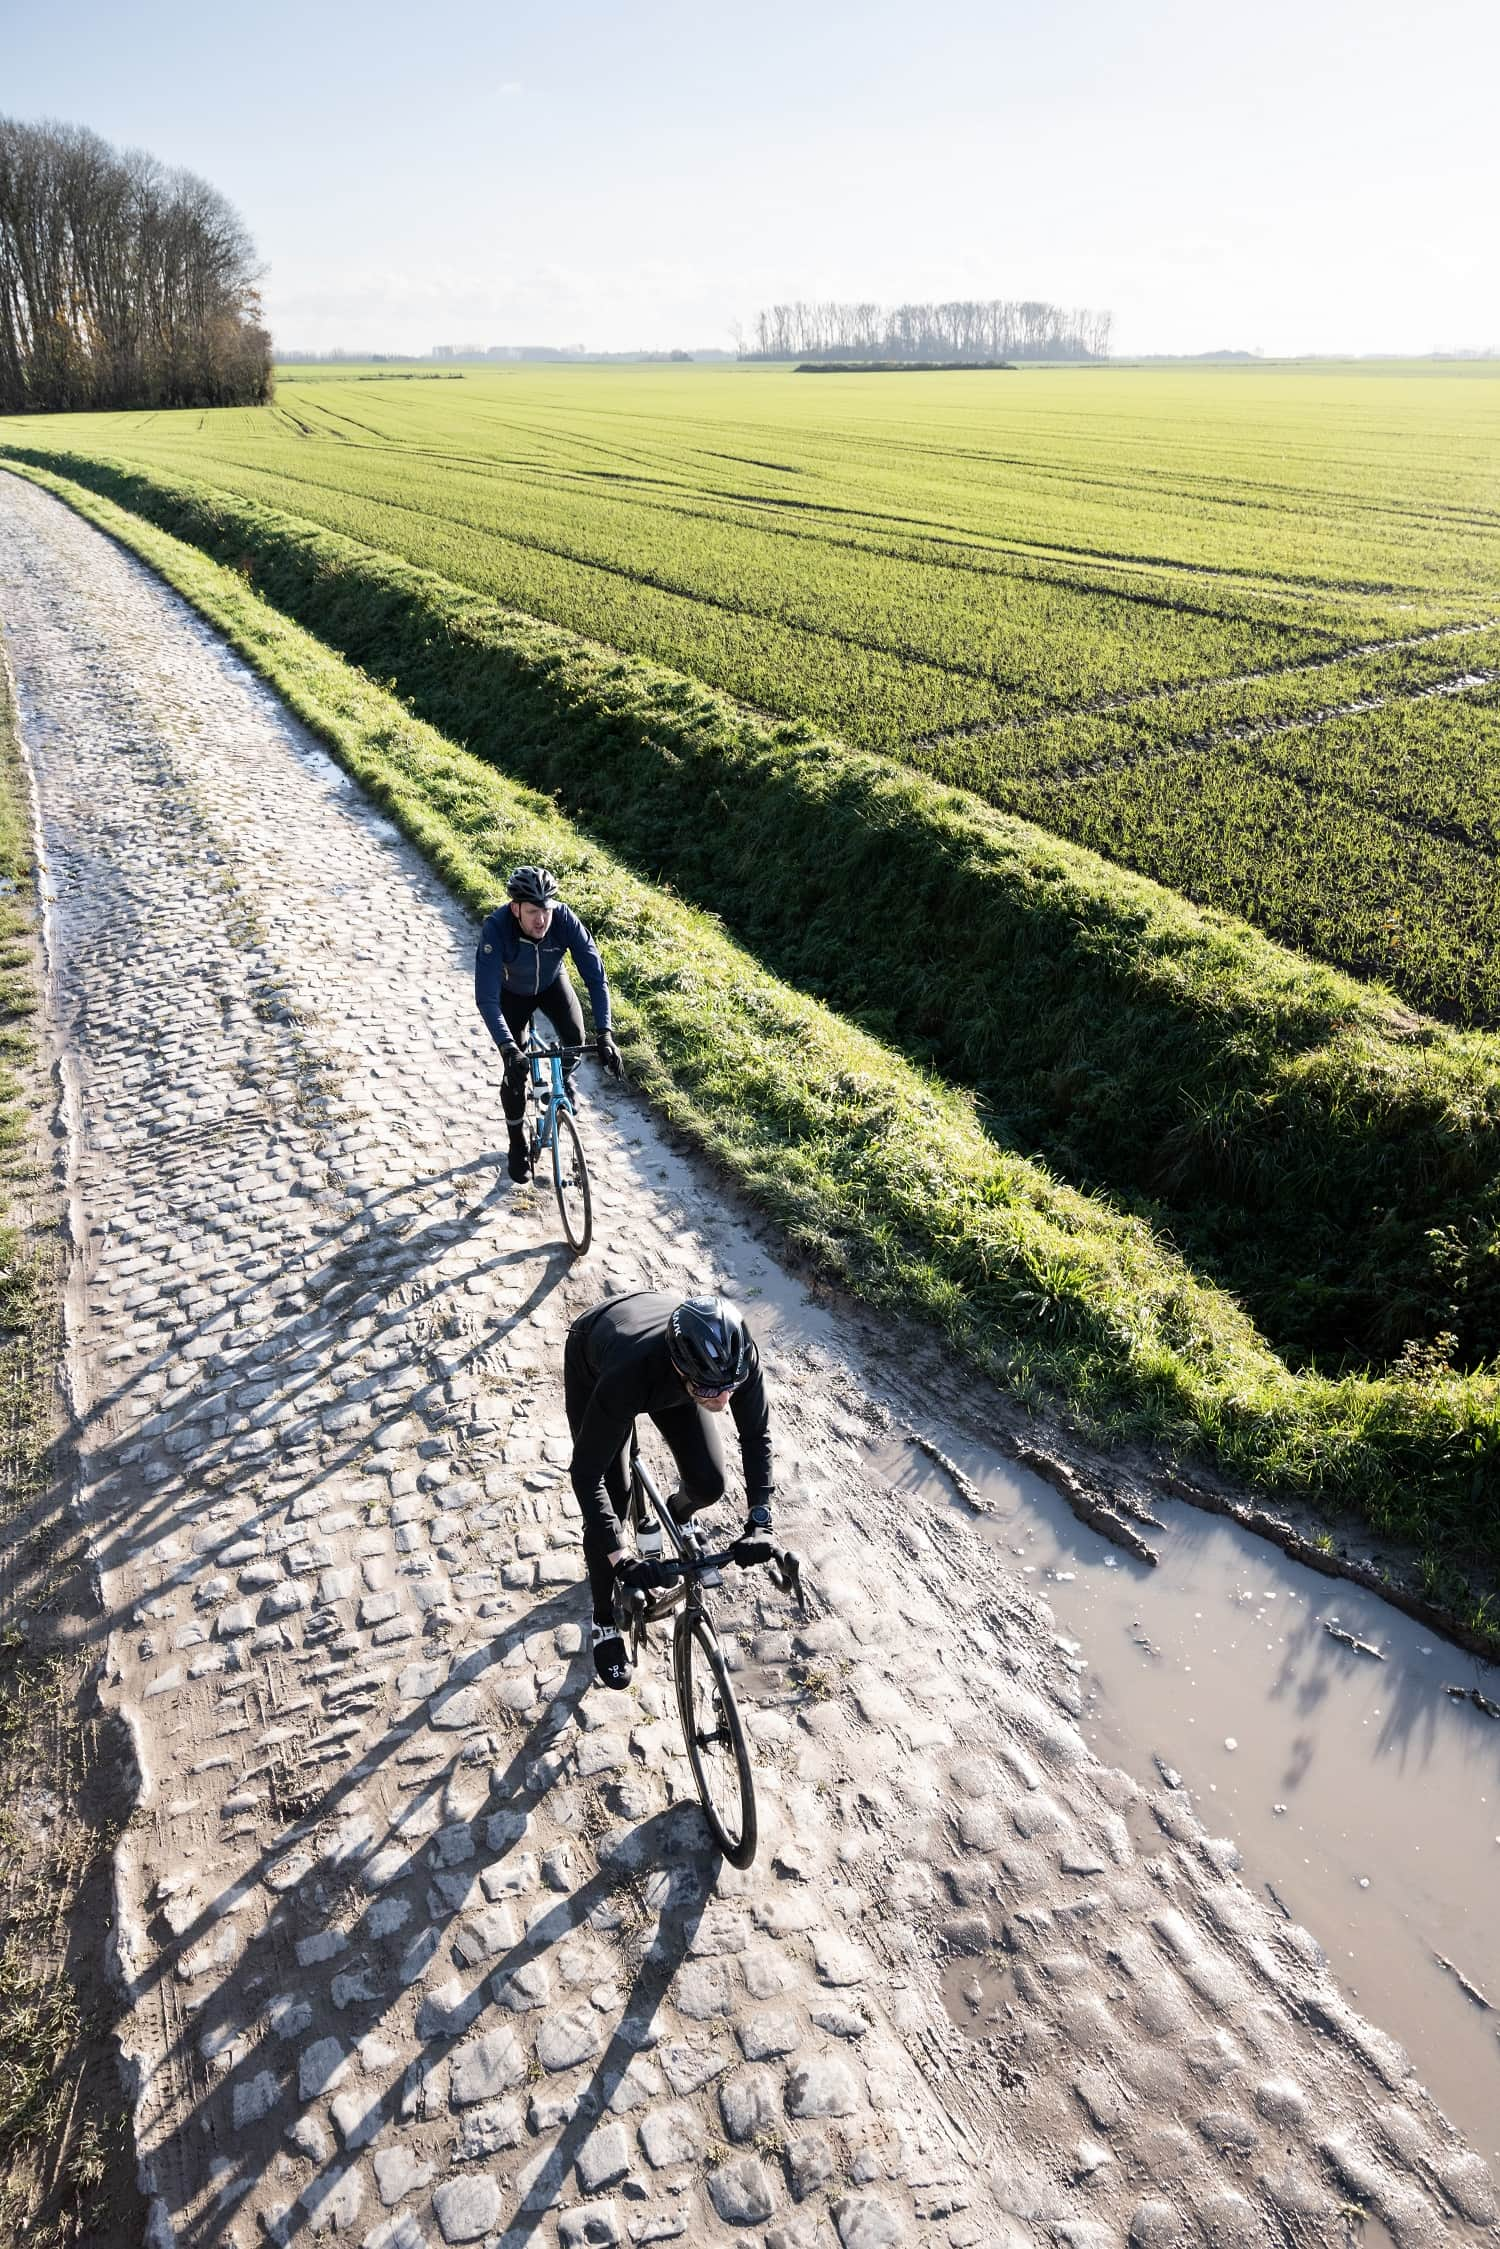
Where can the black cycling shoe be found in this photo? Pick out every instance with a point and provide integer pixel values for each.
(518, 1162)
(611, 1661)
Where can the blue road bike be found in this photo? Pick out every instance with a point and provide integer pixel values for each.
(554, 1137)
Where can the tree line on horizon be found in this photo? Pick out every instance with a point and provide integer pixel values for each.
(969, 328)
(123, 282)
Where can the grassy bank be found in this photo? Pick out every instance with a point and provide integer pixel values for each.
(1330, 1160)
(883, 1176)
(65, 2162)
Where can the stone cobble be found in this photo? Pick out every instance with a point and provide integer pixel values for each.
(421, 1939)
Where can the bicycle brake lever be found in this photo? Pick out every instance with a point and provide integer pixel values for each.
(786, 1575)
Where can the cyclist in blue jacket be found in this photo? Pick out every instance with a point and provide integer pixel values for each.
(518, 969)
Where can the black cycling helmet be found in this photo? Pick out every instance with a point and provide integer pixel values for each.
(533, 886)
(709, 1343)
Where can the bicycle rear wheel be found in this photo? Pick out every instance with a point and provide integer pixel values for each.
(570, 1177)
(715, 1738)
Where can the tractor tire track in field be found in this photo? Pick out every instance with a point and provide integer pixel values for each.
(1109, 706)
(1239, 744)
(417, 1935)
(746, 611)
(1019, 566)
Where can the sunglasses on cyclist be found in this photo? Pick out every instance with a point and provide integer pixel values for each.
(707, 1390)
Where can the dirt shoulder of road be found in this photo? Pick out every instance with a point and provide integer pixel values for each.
(1116, 1492)
(66, 2164)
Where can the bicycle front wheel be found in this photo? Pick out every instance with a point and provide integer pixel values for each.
(715, 1738)
(570, 1176)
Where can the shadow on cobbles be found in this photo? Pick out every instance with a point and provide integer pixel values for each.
(133, 1517)
(668, 1851)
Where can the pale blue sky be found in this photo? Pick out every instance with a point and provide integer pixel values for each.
(1296, 175)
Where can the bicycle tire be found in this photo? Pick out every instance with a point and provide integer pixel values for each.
(570, 1179)
(699, 1668)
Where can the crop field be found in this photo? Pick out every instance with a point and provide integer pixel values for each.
(1237, 628)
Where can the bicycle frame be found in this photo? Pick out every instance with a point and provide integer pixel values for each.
(672, 1597)
(555, 1135)
(550, 1090)
(712, 1729)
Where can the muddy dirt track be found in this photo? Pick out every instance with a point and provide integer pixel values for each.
(420, 1937)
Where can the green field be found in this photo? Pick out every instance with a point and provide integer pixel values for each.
(886, 1180)
(1096, 596)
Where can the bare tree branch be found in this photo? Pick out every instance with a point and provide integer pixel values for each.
(121, 283)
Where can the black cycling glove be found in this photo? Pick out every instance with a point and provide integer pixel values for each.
(646, 1577)
(753, 1547)
(609, 1055)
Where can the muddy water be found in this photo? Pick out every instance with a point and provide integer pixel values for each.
(1362, 1798)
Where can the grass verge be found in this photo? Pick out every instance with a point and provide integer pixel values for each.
(1329, 1159)
(884, 1177)
(66, 2167)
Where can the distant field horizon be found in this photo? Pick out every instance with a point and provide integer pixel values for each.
(339, 360)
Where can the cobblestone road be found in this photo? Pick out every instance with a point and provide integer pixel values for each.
(420, 1938)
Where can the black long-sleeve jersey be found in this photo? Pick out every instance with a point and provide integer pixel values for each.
(623, 1348)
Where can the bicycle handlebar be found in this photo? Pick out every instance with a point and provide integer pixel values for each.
(784, 1565)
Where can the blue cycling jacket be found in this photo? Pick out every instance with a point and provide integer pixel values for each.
(509, 961)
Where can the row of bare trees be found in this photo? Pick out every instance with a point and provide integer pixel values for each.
(971, 328)
(122, 283)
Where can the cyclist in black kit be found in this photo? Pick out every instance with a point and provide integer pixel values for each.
(682, 1361)
(519, 968)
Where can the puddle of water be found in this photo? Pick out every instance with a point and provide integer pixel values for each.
(1360, 1796)
(975, 1993)
(1364, 1799)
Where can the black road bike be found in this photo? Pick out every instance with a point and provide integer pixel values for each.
(711, 1722)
